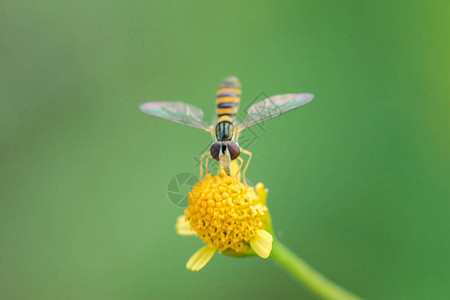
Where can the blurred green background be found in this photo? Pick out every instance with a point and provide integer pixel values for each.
(358, 179)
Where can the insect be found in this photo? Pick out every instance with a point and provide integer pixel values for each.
(226, 130)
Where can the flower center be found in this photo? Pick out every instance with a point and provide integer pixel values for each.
(224, 213)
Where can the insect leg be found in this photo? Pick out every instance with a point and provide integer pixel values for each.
(206, 165)
(201, 164)
(238, 173)
(246, 165)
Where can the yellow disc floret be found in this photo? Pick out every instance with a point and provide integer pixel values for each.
(226, 214)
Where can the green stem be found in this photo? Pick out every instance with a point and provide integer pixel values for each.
(307, 275)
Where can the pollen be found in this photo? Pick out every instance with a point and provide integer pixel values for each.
(227, 214)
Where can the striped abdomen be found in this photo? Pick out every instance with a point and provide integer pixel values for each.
(228, 97)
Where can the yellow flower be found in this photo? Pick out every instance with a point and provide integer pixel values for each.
(229, 216)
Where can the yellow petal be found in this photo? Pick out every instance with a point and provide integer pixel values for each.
(183, 227)
(262, 192)
(262, 243)
(200, 258)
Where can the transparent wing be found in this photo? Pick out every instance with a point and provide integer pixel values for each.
(273, 107)
(178, 112)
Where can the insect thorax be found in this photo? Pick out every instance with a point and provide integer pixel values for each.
(224, 131)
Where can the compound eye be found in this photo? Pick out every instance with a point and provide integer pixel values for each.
(215, 150)
(234, 150)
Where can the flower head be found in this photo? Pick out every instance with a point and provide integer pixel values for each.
(229, 216)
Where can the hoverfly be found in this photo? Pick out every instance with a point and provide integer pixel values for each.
(225, 132)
